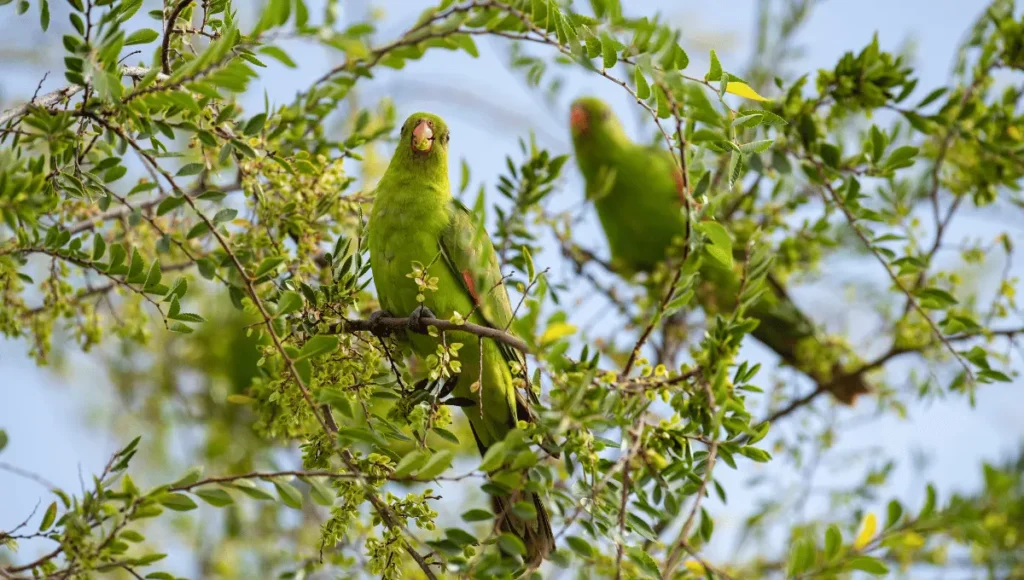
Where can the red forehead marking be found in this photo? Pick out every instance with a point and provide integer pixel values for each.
(578, 119)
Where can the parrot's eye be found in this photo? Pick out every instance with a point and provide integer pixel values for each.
(446, 137)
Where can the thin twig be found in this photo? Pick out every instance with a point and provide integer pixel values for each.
(393, 324)
(27, 475)
(166, 46)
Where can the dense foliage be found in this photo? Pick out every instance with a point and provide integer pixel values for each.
(148, 217)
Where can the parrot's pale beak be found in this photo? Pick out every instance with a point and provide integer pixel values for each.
(578, 119)
(422, 137)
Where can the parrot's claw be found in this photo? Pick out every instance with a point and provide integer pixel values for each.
(375, 318)
(416, 319)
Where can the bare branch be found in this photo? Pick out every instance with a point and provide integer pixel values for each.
(393, 324)
(54, 98)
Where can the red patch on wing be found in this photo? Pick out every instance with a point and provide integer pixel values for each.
(470, 285)
(578, 120)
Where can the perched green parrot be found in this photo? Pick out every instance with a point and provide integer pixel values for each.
(638, 194)
(416, 222)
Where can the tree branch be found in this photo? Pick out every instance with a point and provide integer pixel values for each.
(55, 98)
(392, 324)
(165, 48)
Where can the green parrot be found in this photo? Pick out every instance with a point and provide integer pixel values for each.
(415, 222)
(638, 194)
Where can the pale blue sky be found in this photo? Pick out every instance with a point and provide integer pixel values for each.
(51, 421)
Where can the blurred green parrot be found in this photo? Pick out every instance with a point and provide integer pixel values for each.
(416, 223)
(638, 194)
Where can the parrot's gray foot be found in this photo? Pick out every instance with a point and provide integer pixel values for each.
(416, 319)
(375, 318)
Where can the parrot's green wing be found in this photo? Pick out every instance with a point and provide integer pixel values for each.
(469, 253)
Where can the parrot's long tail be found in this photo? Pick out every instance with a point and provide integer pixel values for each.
(535, 533)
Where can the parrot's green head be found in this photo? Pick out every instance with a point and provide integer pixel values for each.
(424, 142)
(592, 121)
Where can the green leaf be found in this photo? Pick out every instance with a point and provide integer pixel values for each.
(466, 43)
(608, 54)
(477, 515)
(643, 90)
(758, 455)
(169, 204)
(149, 559)
(279, 55)
(524, 510)
(212, 195)
(721, 243)
(252, 490)
(410, 463)
(931, 97)
(901, 157)
(289, 495)
(267, 265)
(191, 476)
(460, 537)
(510, 544)
(154, 276)
(191, 169)
(178, 502)
(580, 546)
(868, 564)
(494, 457)
(320, 493)
(926, 509)
(833, 541)
(132, 536)
(142, 36)
(756, 146)
(935, 298)
(215, 496)
(645, 561)
(255, 125)
(801, 557)
(197, 230)
(180, 328)
(317, 346)
(436, 466)
(305, 370)
(715, 73)
(114, 173)
(224, 215)
(893, 514)
(135, 270)
(48, 517)
(289, 302)
(99, 246)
